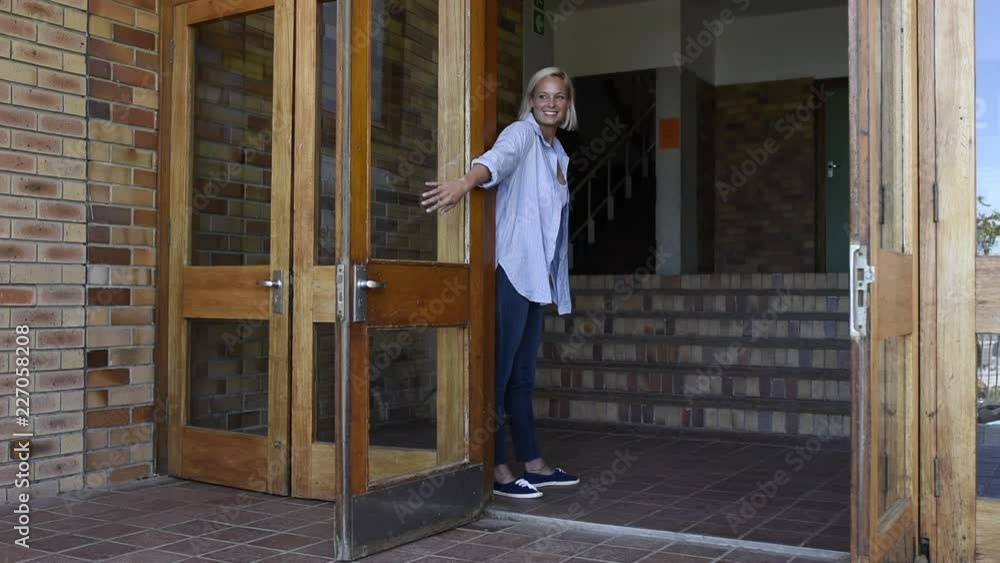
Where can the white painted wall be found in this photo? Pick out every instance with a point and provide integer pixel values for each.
(782, 46)
(689, 173)
(755, 47)
(669, 178)
(697, 56)
(538, 50)
(631, 36)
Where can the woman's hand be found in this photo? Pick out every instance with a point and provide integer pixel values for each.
(444, 195)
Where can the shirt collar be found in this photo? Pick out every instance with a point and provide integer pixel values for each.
(530, 119)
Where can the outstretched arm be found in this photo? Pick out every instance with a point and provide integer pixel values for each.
(487, 171)
(445, 195)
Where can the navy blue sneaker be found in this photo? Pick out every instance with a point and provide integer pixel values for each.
(516, 489)
(558, 479)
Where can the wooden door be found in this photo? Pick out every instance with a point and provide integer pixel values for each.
(411, 416)
(229, 243)
(884, 232)
(318, 249)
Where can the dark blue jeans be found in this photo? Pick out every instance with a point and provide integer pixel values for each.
(518, 334)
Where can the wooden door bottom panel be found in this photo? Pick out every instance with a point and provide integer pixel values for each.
(323, 471)
(225, 458)
(987, 533)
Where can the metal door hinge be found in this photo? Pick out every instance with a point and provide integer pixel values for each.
(935, 194)
(340, 292)
(885, 472)
(881, 204)
(937, 476)
(862, 276)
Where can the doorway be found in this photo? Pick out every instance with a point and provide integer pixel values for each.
(300, 271)
(693, 365)
(322, 339)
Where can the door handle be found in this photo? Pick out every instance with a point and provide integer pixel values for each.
(361, 286)
(278, 287)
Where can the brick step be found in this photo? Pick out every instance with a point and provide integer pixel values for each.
(775, 383)
(703, 315)
(708, 351)
(825, 374)
(661, 324)
(764, 305)
(743, 414)
(679, 433)
(765, 282)
(724, 341)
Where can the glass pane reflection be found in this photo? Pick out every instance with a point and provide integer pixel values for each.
(987, 129)
(988, 415)
(231, 191)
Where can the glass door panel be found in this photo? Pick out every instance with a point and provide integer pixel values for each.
(415, 342)
(229, 238)
(987, 360)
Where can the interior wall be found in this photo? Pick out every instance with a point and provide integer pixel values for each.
(539, 48)
(660, 33)
(765, 169)
(809, 43)
(669, 199)
(632, 36)
(689, 172)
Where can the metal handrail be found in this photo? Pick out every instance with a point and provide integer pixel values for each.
(614, 149)
(611, 194)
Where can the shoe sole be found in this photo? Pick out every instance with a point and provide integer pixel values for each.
(556, 484)
(512, 495)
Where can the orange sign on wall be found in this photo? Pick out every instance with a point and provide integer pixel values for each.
(670, 133)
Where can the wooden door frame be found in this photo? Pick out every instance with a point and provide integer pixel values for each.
(873, 540)
(170, 329)
(947, 278)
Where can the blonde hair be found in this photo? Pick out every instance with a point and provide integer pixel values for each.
(570, 122)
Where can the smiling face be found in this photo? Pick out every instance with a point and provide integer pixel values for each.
(549, 103)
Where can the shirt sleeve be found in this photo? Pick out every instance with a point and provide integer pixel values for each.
(507, 153)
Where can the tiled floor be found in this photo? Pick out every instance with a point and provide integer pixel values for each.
(761, 493)
(168, 520)
(652, 482)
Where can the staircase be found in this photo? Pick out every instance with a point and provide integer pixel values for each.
(765, 357)
(613, 206)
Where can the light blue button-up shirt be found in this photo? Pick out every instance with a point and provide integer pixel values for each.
(532, 239)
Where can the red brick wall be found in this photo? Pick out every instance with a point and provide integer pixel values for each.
(767, 224)
(122, 68)
(509, 61)
(77, 215)
(43, 236)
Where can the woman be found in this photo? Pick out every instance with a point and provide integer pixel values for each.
(529, 165)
